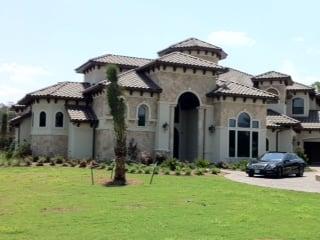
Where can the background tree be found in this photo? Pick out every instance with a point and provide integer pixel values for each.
(316, 85)
(4, 124)
(117, 110)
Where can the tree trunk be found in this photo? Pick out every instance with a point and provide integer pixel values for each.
(120, 169)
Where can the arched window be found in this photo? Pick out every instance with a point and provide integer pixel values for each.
(59, 119)
(244, 120)
(298, 106)
(142, 115)
(275, 92)
(42, 119)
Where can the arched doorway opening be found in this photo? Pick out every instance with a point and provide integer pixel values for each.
(185, 141)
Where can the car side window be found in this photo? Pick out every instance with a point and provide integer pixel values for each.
(287, 157)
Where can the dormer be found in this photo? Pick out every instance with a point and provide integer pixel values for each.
(275, 83)
(197, 48)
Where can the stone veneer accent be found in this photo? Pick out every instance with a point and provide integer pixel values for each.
(105, 142)
(49, 145)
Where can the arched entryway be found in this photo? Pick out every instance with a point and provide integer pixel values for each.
(186, 127)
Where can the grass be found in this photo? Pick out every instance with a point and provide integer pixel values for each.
(60, 203)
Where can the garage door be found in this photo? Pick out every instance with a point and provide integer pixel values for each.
(312, 149)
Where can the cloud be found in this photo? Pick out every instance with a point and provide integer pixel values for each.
(298, 39)
(18, 79)
(18, 72)
(231, 38)
(288, 67)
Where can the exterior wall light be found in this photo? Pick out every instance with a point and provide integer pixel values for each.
(165, 126)
(212, 128)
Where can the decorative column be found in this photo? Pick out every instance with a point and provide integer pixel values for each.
(201, 132)
(171, 129)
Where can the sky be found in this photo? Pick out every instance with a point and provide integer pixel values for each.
(42, 42)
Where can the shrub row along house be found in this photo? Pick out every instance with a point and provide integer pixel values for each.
(182, 104)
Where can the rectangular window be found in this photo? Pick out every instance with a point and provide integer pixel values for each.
(232, 143)
(232, 123)
(243, 144)
(255, 144)
(255, 124)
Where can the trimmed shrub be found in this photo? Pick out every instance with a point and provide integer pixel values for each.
(187, 171)
(170, 163)
(22, 150)
(83, 164)
(35, 158)
(166, 171)
(52, 163)
(147, 170)
(140, 171)
(199, 172)
(39, 163)
(302, 155)
(59, 159)
(146, 158)
(202, 163)
(215, 170)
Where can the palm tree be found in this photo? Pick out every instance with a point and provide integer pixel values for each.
(117, 110)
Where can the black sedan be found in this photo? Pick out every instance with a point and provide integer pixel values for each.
(277, 164)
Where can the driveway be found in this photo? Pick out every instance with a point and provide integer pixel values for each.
(307, 183)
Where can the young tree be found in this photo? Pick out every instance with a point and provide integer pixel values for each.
(4, 124)
(117, 110)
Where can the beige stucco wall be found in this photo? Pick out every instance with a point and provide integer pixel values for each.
(50, 109)
(80, 141)
(285, 140)
(174, 83)
(95, 75)
(281, 88)
(25, 130)
(226, 109)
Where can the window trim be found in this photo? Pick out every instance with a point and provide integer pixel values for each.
(147, 114)
(292, 105)
(55, 118)
(237, 129)
(46, 119)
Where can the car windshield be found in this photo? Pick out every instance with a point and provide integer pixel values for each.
(272, 157)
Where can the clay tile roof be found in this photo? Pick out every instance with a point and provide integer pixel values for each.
(230, 88)
(271, 74)
(235, 75)
(78, 113)
(184, 60)
(299, 86)
(123, 61)
(193, 44)
(131, 80)
(275, 119)
(64, 90)
(18, 119)
(312, 121)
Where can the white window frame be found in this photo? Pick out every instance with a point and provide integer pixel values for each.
(237, 129)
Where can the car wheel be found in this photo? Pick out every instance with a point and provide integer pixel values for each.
(251, 174)
(300, 172)
(279, 173)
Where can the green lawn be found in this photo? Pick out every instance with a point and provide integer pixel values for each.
(59, 203)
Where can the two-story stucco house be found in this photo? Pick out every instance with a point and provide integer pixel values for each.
(183, 103)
